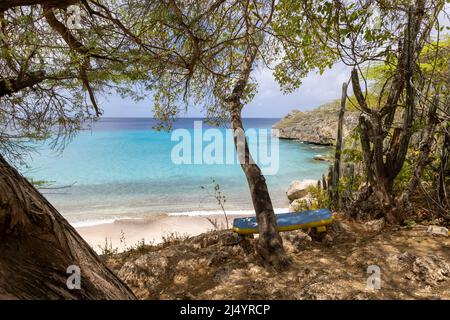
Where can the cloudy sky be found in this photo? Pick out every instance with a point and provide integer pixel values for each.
(270, 102)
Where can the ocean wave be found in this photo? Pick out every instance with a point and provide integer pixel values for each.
(91, 223)
(194, 213)
(219, 212)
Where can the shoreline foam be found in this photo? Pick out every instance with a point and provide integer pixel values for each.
(154, 228)
(193, 213)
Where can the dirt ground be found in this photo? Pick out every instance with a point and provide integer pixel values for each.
(412, 264)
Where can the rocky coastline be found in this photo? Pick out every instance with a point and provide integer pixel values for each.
(317, 126)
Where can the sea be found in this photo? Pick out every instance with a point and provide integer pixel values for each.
(122, 168)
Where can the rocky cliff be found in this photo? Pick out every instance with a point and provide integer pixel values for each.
(317, 126)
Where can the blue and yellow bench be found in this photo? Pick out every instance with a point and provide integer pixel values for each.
(312, 219)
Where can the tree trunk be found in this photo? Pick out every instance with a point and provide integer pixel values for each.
(37, 246)
(383, 166)
(270, 244)
(444, 162)
(383, 192)
(422, 161)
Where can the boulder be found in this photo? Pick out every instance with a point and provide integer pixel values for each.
(320, 157)
(430, 269)
(438, 231)
(297, 189)
(305, 203)
(375, 225)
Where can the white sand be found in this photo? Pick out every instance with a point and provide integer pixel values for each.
(150, 229)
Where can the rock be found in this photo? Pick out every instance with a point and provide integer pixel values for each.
(145, 271)
(298, 205)
(317, 126)
(180, 279)
(297, 189)
(327, 239)
(222, 274)
(302, 204)
(217, 258)
(320, 157)
(209, 239)
(430, 270)
(292, 113)
(230, 239)
(437, 230)
(375, 225)
(296, 240)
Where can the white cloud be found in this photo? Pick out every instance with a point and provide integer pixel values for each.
(315, 90)
(269, 102)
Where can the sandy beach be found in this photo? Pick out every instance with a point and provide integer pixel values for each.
(125, 233)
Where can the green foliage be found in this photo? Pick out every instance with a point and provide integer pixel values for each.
(107, 248)
(320, 197)
(56, 105)
(40, 183)
(221, 200)
(410, 223)
(302, 52)
(433, 62)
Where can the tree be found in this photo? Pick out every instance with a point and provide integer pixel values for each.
(45, 70)
(356, 35)
(206, 52)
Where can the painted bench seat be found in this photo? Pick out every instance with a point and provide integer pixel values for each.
(288, 221)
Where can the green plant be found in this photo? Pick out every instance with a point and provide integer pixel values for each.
(320, 197)
(107, 248)
(410, 223)
(174, 238)
(221, 200)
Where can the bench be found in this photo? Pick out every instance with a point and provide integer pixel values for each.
(311, 219)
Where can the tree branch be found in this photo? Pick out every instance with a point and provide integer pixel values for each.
(12, 85)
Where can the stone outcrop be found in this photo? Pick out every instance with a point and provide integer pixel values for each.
(318, 126)
(298, 189)
(305, 203)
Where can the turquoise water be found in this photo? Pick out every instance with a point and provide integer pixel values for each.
(122, 168)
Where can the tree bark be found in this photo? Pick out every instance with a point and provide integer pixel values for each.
(270, 244)
(11, 85)
(9, 4)
(37, 245)
(443, 174)
(382, 166)
(425, 150)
